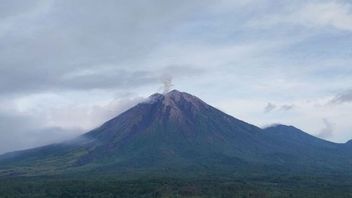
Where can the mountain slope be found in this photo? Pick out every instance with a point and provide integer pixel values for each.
(178, 131)
(175, 126)
(303, 149)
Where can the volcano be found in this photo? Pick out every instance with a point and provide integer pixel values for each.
(175, 133)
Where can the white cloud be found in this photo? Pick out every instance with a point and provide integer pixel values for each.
(318, 14)
(334, 14)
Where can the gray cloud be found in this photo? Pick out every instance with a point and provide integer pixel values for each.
(269, 107)
(343, 97)
(13, 8)
(272, 107)
(44, 43)
(328, 130)
(286, 107)
(21, 132)
(310, 14)
(86, 79)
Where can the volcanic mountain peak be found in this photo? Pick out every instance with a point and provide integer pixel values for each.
(175, 96)
(176, 99)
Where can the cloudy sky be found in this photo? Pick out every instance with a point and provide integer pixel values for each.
(67, 66)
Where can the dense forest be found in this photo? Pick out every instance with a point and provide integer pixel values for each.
(163, 187)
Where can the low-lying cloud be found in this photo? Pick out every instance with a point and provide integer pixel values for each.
(21, 132)
(328, 130)
(35, 127)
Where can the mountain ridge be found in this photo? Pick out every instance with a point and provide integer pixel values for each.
(179, 131)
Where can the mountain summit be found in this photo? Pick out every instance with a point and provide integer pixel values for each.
(177, 131)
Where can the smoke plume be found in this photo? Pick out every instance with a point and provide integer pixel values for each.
(167, 83)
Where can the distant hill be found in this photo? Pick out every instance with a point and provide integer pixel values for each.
(177, 134)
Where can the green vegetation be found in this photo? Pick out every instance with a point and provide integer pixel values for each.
(165, 187)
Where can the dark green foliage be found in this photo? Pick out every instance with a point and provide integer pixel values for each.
(280, 187)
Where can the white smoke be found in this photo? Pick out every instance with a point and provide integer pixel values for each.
(167, 83)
